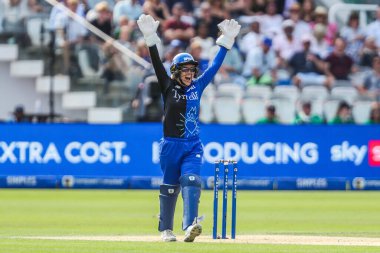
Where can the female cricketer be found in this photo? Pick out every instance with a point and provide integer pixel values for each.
(181, 150)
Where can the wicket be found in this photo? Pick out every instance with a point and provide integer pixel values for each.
(226, 164)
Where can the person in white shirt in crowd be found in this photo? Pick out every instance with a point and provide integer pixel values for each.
(251, 39)
(13, 14)
(231, 69)
(321, 17)
(286, 44)
(371, 84)
(368, 52)
(203, 38)
(300, 26)
(271, 21)
(69, 33)
(132, 9)
(319, 44)
(373, 29)
(354, 36)
(80, 11)
(260, 65)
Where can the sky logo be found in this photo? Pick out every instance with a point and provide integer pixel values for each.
(374, 153)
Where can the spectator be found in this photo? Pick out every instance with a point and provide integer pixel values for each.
(331, 28)
(373, 29)
(371, 85)
(195, 50)
(113, 65)
(80, 11)
(319, 45)
(285, 44)
(271, 21)
(188, 5)
(103, 20)
(343, 114)
(305, 116)
(258, 7)
(340, 65)
(218, 9)
(206, 41)
(175, 28)
(230, 71)
(157, 9)
(18, 115)
(374, 117)
(239, 8)
(147, 102)
(368, 52)
(300, 26)
(270, 116)
(206, 17)
(251, 39)
(308, 68)
(132, 9)
(69, 35)
(307, 14)
(354, 36)
(13, 14)
(259, 67)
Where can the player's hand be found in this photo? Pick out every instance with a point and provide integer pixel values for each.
(148, 26)
(230, 29)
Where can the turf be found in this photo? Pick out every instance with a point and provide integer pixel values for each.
(129, 212)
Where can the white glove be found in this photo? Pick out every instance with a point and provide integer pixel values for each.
(230, 29)
(148, 26)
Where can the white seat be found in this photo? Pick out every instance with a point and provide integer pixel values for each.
(361, 111)
(227, 110)
(103, 115)
(61, 84)
(27, 68)
(263, 91)
(344, 83)
(230, 89)
(36, 35)
(330, 107)
(206, 113)
(349, 94)
(84, 64)
(79, 100)
(253, 109)
(316, 92)
(288, 91)
(209, 91)
(8, 52)
(285, 109)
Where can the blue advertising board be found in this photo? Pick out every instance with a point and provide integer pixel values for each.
(127, 155)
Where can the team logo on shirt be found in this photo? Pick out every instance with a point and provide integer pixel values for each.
(191, 96)
(189, 125)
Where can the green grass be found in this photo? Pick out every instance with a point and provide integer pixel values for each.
(113, 212)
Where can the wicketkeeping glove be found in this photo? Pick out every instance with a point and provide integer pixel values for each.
(148, 26)
(230, 29)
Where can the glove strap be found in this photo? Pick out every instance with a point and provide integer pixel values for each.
(152, 39)
(225, 41)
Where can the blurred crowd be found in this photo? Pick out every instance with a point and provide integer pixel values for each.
(282, 42)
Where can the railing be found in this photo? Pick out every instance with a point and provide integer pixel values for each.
(339, 12)
(101, 34)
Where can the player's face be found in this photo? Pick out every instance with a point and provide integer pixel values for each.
(187, 74)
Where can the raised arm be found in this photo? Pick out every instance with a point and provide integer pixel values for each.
(230, 29)
(148, 26)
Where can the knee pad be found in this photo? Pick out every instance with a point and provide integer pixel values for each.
(191, 193)
(168, 199)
